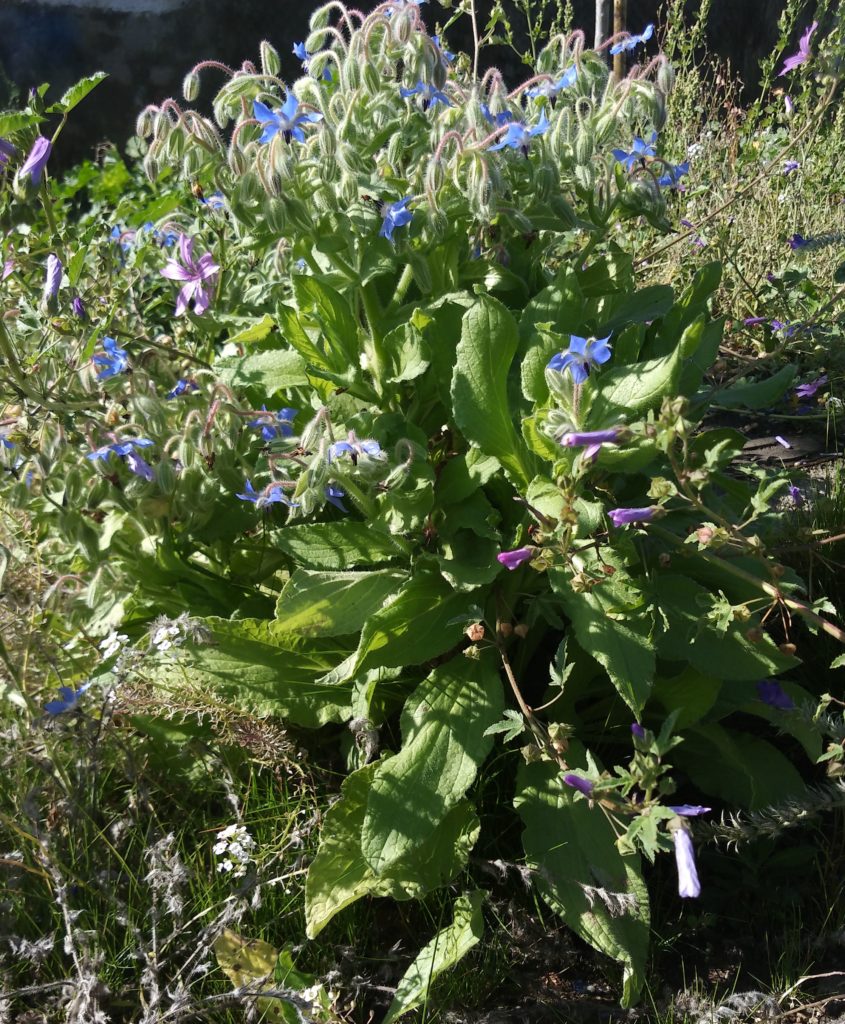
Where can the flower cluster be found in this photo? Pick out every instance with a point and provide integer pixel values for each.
(235, 846)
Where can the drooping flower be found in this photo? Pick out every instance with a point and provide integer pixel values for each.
(354, 448)
(33, 166)
(581, 784)
(640, 151)
(632, 42)
(268, 496)
(626, 516)
(6, 150)
(4, 440)
(300, 52)
(690, 810)
(581, 356)
(122, 448)
(689, 886)
(334, 496)
(811, 387)
(396, 215)
(551, 88)
(790, 165)
(500, 119)
(8, 268)
(78, 308)
(797, 241)
(52, 281)
(68, 701)
(796, 495)
(514, 559)
(673, 174)
(181, 386)
(273, 425)
(199, 277)
(519, 135)
(139, 467)
(430, 96)
(443, 52)
(772, 693)
(802, 54)
(286, 119)
(592, 440)
(755, 321)
(113, 361)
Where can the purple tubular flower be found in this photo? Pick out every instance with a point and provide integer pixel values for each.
(796, 495)
(690, 810)
(8, 268)
(37, 160)
(811, 387)
(114, 361)
(430, 95)
(68, 701)
(199, 276)
(78, 308)
(755, 321)
(772, 693)
(640, 151)
(286, 120)
(581, 784)
(689, 886)
(802, 55)
(139, 467)
(396, 215)
(626, 516)
(6, 150)
(591, 440)
(514, 559)
(53, 278)
(797, 241)
(519, 136)
(632, 42)
(582, 354)
(637, 731)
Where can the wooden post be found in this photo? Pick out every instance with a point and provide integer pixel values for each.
(619, 25)
(602, 22)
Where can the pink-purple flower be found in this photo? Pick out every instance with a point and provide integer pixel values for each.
(514, 559)
(52, 279)
(626, 516)
(689, 886)
(811, 387)
(580, 783)
(199, 277)
(802, 55)
(592, 440)
(36, 161)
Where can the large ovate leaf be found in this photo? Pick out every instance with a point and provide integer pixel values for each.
(447, 947)
(488, 344)
(332, 312)
(268, 372)
(758, 395)
(643, 306)
(339, 875)
(333, 603)
(443, 744)
(580, 872)
(77, 93)
(337, 545)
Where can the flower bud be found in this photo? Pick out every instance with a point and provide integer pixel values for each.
(546, 181)
(350, 74)
(270, 62)
(191, 86)
(440, 75)
(275, 214)
(665, 78)
(236, 159)
(402, 26)
(584, 144)
(192, 162)
(151, 165)
(314, 41)
(299, 215)
(371, 78)
(145, 124)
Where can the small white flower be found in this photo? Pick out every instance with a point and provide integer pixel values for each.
(112, 643)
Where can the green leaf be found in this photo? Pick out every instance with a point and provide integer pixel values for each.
(559, 304)
(333, 603)
(447, 947)
(468, 560)
(332, 312)
(443, 745)
(692, 694)
(14, 120)
(622, 645)
(339, 875)
(256, 330)
(479, 386)
(247, 962)
(759, 395)
(257, 666)
(512, 725)
(464, 474)
(573, 850)
(415, 626)
(643, 306)
(408, 353)
(337, 545)
(269, 372)
(77, 93)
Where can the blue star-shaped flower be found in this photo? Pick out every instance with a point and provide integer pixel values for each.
(300, 52)
(396, 215)
(632, 42)
(551, 89)
(122, 448)
(114, 361)
(334, 495)
(69, 700)
(281, 428)
(260, 498)
(518, 135)
(580, 356)
(640, 150)
(498, 120)
(286, 119)
(181, 387)
(673, 175)
(444, 53)
(430, 95)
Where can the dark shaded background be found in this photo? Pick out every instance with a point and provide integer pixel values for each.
(148, 53)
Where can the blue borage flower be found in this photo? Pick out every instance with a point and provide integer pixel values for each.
(275, 424)
(113, 361)
(497, 120)
(640, 151)
(270, 495)
(334, 494)
(300, 52)
(632, 42)
(550, 89)
(181, 387)
(519, 135)
(68, 700)
(354, 448)
(673, 175)
(443, 52)
(126, 450)
(430, 96)
(286, 119)
(395, 215)
(582, 354)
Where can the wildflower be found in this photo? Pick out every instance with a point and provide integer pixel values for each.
(797, 241)
(181, 386)
(114, 361)
(78, 308)
(514, 559)
(796, 495)
(269, 496)
(286, 119)
(269, 430)
(164, 637)
(790, 165)
(592, 440)
(443, 52)
(216, 201)
(788, 105)
(637, 731)
(139, 466)
(8, 268)
(199, 277)
(772, 693)
(500, 119)
(640, 151)
(811, 387)
(4, 440)
(802, 55)
(632, 42)
(236, 846)
(35, 163)
(754, 321)
(300, 52)
(395, 215)
(112, 644)
(68, 701)
(354, 448)
(550, 89)
(673, 175)
(122, 237)
(430, 95)
(52, 281)
(6, 150)
(689, 886)
(581, 784)
(334, 494)
(582, 354)
(690, 810)
(518, 135)
(626, 516)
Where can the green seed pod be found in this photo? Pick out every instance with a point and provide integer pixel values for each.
(275, 214)
(546, 181)
(584, 144)
(191, 86)
(371, 78)
(665, 78)
(145, 125)
(270, 62)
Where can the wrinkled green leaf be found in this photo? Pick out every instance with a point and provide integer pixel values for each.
(77, 93)
(269, 372)
(337, 545)
(333, 603)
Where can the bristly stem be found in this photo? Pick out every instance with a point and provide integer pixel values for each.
(475, 42)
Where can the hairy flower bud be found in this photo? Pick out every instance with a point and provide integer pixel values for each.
(665, 78)
(275, 214)
(371, 78)
(546, 181)
(350, 75)
(146, 122)
(191, 86)
(151, 165)
(584, 144)
(270, 62)
(402, 26)
(236, 159)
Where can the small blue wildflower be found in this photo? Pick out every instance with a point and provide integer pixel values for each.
(581, 355)
(354, 448)
(286, 119)
(122, 448)
(430, 96)
(4, 440)
(113, 361)
(300, 52)
(69, 700)
(268, 496)
(216, 201)
(498, 120)
(518, 135)
(282, 427)
(551, 89)
(640, 150)
(139, 467)
(396, 215)
(790, 165)
(632, 42)
(334, 494)
(443, 52)
(672, 175)
(181, 386)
